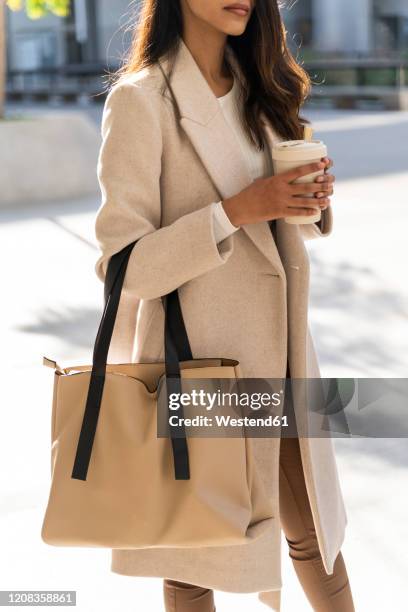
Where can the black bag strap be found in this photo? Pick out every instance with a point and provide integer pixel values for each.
(177, 348)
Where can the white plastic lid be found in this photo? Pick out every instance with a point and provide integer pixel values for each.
(294, 150)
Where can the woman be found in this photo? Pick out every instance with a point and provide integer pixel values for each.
(185, 167)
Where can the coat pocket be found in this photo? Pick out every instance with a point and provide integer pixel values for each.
(271, 297)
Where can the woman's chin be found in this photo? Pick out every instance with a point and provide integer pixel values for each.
(233, 25)
(234, 29)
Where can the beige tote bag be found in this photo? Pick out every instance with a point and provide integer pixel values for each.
(114, 482)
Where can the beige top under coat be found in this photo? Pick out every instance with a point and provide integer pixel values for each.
(258, 162)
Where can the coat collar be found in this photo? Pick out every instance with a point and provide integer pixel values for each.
(201, 118)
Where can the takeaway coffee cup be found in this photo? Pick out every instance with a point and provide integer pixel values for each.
(291, 154)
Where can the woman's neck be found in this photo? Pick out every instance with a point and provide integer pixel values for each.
(207, 46)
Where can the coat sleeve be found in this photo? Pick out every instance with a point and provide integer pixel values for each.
(322, 228)
(129, 169)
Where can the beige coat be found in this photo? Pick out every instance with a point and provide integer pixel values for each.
(246, 298)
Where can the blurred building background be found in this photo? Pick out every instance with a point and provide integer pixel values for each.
(366, 28)
(96, 36)
(94, 32)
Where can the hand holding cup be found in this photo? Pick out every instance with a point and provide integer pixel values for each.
(283, 195)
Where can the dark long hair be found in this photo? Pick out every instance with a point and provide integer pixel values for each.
(274, 82)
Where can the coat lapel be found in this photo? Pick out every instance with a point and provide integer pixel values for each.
(201, 118)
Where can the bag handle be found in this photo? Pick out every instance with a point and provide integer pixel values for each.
(177, 348)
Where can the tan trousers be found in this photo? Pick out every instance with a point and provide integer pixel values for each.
(325, 592)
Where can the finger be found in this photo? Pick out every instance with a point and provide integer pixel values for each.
(324, 187)
(303, 188)
(323, 194)
(292, 175)
(329, 165)
(324, 178)
(324, 201)
(328, 162)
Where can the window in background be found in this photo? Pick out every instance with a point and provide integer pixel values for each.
(35, 50)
